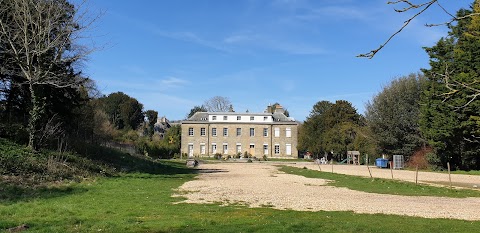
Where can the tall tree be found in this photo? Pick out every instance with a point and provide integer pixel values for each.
(218, 104)
(38, 39)
(123, 111)
(450, 108)
(333, 127)
(311, 131)
(393, 115)
(152, 116)
(196, 109)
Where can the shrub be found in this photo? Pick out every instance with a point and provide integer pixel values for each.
(249, 161)
(434, 161)
(419, 158)
(238, 155)
(217, 156)
(265, 158)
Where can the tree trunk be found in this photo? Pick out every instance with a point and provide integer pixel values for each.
(35, 116)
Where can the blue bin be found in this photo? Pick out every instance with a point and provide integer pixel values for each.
(382, 163)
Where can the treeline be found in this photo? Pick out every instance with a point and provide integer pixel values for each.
(45, 99)
(432, 117)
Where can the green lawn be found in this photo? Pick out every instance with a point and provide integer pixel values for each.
(142, 202)
(384, 186)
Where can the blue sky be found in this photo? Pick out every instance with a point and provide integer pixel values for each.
(173, 55)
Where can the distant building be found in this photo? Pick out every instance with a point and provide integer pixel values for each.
(162, 126)
(229, 133)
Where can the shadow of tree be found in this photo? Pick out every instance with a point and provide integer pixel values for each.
(12, 192)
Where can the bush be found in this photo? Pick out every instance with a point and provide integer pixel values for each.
(238, 155)
(419, 158)
(265, 158)
(217, 156)
(249, 161)
(434, 161)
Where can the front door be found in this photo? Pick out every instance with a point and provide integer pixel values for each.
(252, 150)
(190, 150)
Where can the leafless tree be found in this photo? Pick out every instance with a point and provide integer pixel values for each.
(218, 104)
(41, 40)
(419, 8)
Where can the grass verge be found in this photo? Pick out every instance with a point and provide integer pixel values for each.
(383, 186)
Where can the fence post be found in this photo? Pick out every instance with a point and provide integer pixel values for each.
(449, 175)
(391, 168)
(416, 175)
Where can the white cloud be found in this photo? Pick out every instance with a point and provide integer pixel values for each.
(334, 13)
(269, 42)
(173, 82)
(191, 38)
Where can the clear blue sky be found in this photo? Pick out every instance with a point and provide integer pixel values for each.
(173, 55)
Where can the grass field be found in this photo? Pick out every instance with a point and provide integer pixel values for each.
(384, 186)
(142, 202)
(102, 190)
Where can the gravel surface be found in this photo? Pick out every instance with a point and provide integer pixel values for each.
(262, 185)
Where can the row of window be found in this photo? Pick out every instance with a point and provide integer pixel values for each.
(238, 149)
(239, 118)
(288, 132)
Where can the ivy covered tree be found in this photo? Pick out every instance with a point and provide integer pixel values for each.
(393, 116)
(39, 58)
(450, 109)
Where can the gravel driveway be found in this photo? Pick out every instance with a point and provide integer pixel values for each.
(261, 185)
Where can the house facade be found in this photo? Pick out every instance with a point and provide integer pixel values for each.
(229, 133)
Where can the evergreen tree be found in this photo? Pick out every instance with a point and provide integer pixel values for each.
(393, 116)
(450, 108)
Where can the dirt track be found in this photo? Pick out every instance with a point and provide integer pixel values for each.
(261, 184)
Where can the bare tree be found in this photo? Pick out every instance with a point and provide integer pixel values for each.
(419, 9)
(40, 38)
(218, 104)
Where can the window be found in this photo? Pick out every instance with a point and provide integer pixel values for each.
(252, 132)
(288, 149)
(277, 132)
(190, 131)
(239, 118)
(265, 118)
(288, 133)
(202, 149)
(225, 118)
(239, 131)
(239, 148)
(277, 149)
(265, 132)
(202, 132)
(225, 149)
(252, 118)
(265, 149)
(225, 132)
(214, 118)
(214, 132)
(214, 148)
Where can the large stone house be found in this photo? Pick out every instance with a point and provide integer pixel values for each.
(230, 133)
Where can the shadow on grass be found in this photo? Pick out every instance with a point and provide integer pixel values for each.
(12, 193)
(133, 163)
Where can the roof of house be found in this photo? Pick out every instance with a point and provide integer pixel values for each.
(203, 116)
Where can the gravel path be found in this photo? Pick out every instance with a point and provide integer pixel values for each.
(261, 184)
